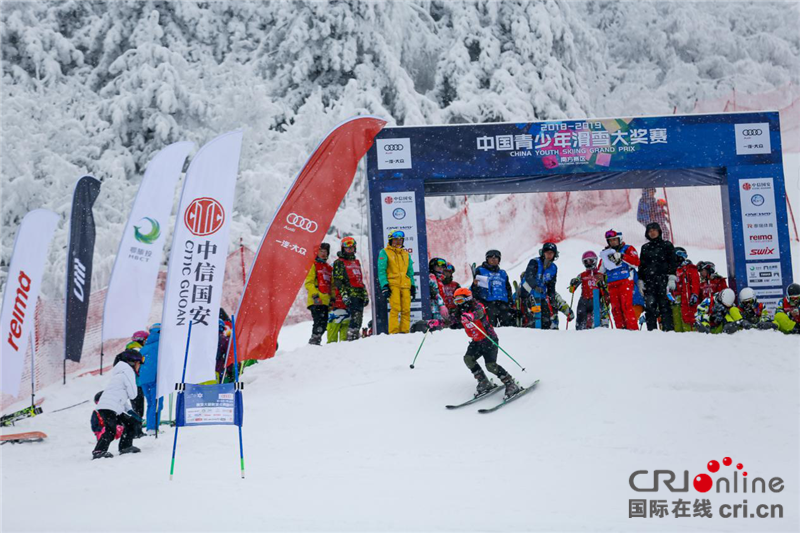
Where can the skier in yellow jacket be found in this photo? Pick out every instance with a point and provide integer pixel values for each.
(396, 276)
(318, 285)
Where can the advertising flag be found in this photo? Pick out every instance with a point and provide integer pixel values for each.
(133, 279)
(197, 264)
(287, 249)
(79, 266)
(21, 292)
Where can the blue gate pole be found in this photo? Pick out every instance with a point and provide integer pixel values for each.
(236, 379)
(183, 378)
(596, 305)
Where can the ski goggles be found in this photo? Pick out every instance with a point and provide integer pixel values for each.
(710, 267)
(590, 262)
(348, 242)
(682, 254)
(612, 234)
(397, 235)
(436, 261)
(461, 299)
(450, 268)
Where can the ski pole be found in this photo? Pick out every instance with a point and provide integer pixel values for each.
(70, 407)
(570, 306)
(498, 346)
(420, 348)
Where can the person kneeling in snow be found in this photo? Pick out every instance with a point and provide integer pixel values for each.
(114, 405)
(787, 315)
(478, 327)
(754, 313)
(719, 314)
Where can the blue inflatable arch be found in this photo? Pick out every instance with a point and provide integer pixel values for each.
(739, 152)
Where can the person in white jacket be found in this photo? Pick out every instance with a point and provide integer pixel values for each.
(115, 403)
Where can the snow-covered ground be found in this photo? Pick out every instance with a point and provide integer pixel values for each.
(346, 437)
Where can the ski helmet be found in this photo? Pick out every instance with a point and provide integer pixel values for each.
(131, 356)
(462, 297)
(140, 336)
(133, 345)
(747, 297)
(494, 253)
(450, 268)
(348, 242)
(436, 262)
(661, 202)
(726, 297)
(709, 266)
(681, 252)
(589, 259)
(549, 247)
(397, 234)
(793, 294)
(613, 234)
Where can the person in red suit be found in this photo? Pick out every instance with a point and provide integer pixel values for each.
(618, 261)
(710, 282)
(686, 293)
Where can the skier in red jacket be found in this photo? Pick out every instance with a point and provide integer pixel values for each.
(710, 282)
(686, 293)
(589, 280)
(479, 329)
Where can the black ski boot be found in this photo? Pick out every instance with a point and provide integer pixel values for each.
(512, 387)
(130, 449)
(102, 455)
(353, 334)
(316, 339)
(484, 385)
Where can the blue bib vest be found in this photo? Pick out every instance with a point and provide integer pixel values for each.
(497, 285)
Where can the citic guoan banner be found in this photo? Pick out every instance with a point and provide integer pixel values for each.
(21, 292)
(299, 226)
(197, 264)
(133, 279)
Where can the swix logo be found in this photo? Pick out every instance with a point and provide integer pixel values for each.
(704, 483)
(760, 237)
(746, 186)
(762, 251)
(18, 313)
(78, 278)
(204, 216)
(388, 200)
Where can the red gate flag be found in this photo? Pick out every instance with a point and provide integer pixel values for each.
(288, 248)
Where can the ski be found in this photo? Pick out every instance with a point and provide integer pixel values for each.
(9, 419)
(31, 436)
(476, 398)
(520, 394)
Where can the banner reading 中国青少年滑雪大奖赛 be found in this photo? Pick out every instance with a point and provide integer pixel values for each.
(133, 278)
(79, 266)
(197, 264)
(302, 220)
(21, 292)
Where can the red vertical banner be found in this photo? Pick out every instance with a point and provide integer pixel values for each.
(301, 222)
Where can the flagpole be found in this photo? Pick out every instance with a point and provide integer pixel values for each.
(180, 391)
(236, 379)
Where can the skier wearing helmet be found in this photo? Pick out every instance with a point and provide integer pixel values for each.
(449, 287)
(114, 404)
(618, 262)
(318, 286)
(657, 265)
(539, 282)
(348, 279)
(439, 313)
(710, 282)
(492, 288)
(787, 316)
(590, 280)
(396, 277)
(754, 312)
(478, 328)
(719, 314)
(686, 293)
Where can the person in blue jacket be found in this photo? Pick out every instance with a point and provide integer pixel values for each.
(492, 288)
(539, 282)
(147, 377)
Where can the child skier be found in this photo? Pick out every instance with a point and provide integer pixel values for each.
(754, 313)
(590, 280)
(396, 277)
(686, 293)
(540, 284)
(710, 282)
(449, 288)
(618, 262)
(492, 287)
(114, 405)
(348, 279)
(318, 285)
(718, 314)
(787, 316)
(479, 329)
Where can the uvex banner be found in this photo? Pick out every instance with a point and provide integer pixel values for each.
(197, 264)
(79, 266)
(287, 249)
(133, 279)
(22, 290)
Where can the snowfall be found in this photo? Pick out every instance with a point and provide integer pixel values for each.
(347, 437)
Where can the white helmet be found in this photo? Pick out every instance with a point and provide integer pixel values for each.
(727, 297)
(746, 294)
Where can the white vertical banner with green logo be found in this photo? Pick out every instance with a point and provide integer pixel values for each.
(133, 279)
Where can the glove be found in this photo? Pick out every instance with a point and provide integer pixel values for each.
(795, 314)
(693, 300)
(640, 284)
(443, 311)
(601, 283)
(672, 283)
(767, 325)
(574, 283)
(483, 281)
(469, 316)
(346, 299)
(434, 325)
(316, 299)
(413, 291)
(616, 258)
(387, 291)
(570, 315)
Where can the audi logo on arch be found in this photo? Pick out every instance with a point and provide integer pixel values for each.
(392, 147)
(752, 132)
(301, 222)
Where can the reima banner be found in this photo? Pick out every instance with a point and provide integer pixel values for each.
(133, 279)
(400, 213)
(197, 264)
(286, 252)
(759, 221)
(22, 290)
(79, 266)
